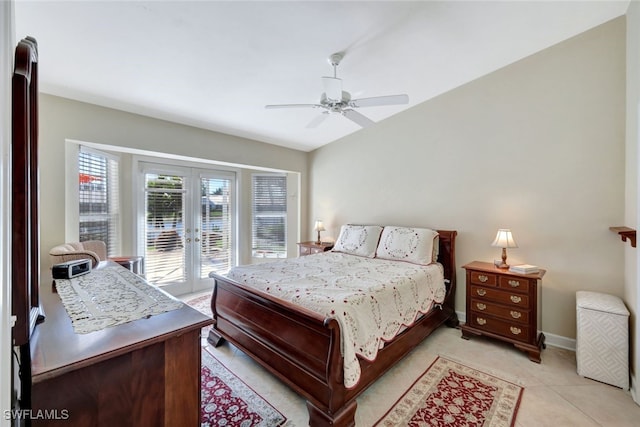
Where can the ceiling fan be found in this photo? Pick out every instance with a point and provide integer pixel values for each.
(336, 101)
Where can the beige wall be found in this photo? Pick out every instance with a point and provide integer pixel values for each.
(537, 147)
(63, 119)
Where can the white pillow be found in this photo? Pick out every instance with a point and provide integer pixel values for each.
(361, 240)
(415, 245)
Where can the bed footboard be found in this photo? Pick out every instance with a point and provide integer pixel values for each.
(298, 346)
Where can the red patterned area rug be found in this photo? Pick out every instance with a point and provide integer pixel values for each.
(227, 401)
(202, 303)
(452, 394)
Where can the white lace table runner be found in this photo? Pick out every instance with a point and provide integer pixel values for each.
(111, 296)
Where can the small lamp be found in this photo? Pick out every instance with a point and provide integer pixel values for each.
(504, 240)
(319, 226)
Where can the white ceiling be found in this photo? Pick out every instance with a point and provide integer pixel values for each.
(215, 64)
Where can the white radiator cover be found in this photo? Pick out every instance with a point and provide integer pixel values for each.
(602, 338)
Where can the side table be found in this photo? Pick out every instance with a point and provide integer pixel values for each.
(504, 305)
(308, 248)
(133, 263)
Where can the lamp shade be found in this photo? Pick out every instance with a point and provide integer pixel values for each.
(504, 239)
(318, 226)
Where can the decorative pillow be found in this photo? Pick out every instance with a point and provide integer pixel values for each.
(361, 240)
(415, 245)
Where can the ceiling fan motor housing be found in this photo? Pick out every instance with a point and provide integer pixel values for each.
(335, 105)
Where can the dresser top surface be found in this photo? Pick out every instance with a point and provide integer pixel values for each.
(488, 267)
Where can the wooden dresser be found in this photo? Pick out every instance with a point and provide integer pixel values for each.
(504, 305)
(141, 373)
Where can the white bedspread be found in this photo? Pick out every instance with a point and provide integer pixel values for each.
(372, 299)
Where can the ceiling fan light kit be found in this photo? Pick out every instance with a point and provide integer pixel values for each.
(332, 88)
(335, 100)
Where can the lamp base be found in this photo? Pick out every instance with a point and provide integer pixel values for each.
(498, 263)
(503, 263)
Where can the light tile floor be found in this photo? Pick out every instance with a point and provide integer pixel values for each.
(554, 395)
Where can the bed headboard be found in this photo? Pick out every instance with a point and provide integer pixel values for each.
(447, 257)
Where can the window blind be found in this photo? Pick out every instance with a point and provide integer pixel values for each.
(269, 216)
(99, 198)
(164, 228)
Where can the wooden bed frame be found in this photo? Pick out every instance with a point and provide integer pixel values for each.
(302, 348)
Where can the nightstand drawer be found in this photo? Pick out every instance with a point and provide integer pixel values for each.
(514, 284)
(316, 250)
(504, 328)
(309, 248)
(513, 314)
(484, 279)
(501, 296)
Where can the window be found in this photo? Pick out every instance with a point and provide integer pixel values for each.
(99, 198)
(269, 216)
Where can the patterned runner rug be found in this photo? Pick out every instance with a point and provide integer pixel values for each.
(227, 401)
(452, 394)
(202, 303)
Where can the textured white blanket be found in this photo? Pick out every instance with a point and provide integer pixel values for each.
(372, 299)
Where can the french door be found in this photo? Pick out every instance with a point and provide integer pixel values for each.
(188, 228)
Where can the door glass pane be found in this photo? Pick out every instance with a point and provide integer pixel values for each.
(216, 225)
(164, 229)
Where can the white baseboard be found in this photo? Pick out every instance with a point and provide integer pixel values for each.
(634, 390)
(554, 340)
(560, 341)
(550, 339)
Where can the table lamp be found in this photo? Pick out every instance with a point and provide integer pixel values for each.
(504, 240)
(319, 226)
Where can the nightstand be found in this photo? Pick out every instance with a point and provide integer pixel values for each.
(134, 264)
(308, 248)
(504, 305)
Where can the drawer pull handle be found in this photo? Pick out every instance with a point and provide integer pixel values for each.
(481, 321)
(516, 314)
(514, 283)
(481, 292)
(515, 298)
(515, 331)
(481, 306)
(483, 278)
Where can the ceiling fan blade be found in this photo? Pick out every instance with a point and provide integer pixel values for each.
(292, 106)
(358, 118)
(332, 88)
(379, 100)
(317, 120)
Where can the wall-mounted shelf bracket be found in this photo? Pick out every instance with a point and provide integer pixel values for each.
(626, 232)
